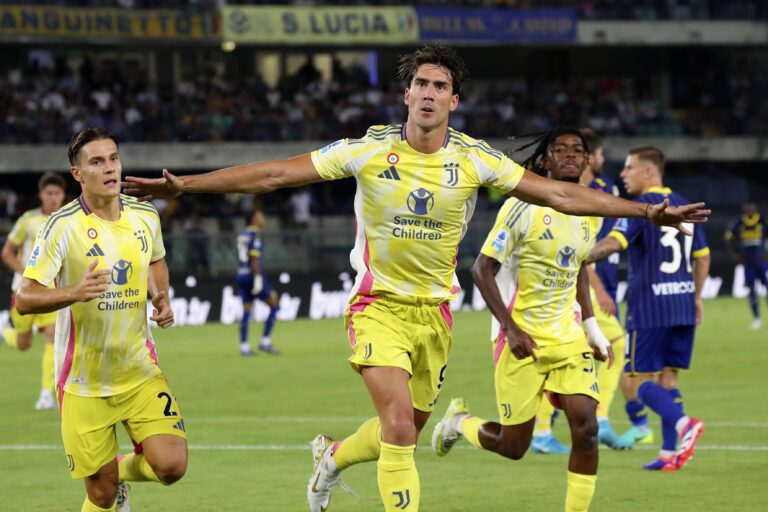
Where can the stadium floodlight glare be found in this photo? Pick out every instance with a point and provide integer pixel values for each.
(228, 46)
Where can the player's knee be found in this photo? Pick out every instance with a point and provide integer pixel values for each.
(103, 494)
(585, 433)
(512, 449)
(399, 430)
(24, 342)
(172, 470)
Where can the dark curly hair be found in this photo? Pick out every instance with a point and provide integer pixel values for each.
(544, 140)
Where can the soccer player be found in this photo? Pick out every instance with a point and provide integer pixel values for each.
(105, 252)
(530, 273)
(750, 234)
(252, 285)
(667, 272)
(603, 277)
(416, 190)
(16, 251)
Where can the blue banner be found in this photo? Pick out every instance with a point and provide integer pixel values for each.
(502, 25)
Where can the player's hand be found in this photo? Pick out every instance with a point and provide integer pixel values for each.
(520, 343)
(605, 302)
(598, 341)
(94, 283)
(258, 284)
(664, 215)
(699, 310)
(146, 189)
(162, 312)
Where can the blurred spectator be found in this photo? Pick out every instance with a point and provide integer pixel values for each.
(198, 263)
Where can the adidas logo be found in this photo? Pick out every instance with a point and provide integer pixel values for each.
(390, 174)
(180, 426)
(547, 235)
(95, 251)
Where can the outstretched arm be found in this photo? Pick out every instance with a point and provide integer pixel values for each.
(577, 200)
(253, 178)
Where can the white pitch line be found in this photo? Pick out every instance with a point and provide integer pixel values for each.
(304, 447)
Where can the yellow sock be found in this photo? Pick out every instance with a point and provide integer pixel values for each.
(10, 337)
(398, 479)
(544, 417)
(47, 382)
(580, 491)
(90, 507)
(135, 468)
(470, 427)
(608, 378)
(362, 446)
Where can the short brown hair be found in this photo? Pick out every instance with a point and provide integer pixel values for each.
(439, 55)
(85, 136)
(592, 139)
(51, 178)
(650, 154)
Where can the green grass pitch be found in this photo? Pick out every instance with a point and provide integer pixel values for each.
(250, 420)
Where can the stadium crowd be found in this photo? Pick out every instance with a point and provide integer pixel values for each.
(585, 9)
(214, 107)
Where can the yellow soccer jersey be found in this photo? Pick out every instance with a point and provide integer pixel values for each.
(412, 208)
(540, 251)
(23, 236)
(102, 347)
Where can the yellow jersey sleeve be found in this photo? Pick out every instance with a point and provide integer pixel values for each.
(45, 259)
(18, 233)
(510, 226)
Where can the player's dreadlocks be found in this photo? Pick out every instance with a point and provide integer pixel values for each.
(544, 140)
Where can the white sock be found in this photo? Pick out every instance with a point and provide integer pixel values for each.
(681, 423)
(459, 419)
(542, 433)
(46, 393)
(266, 342)
(665, 454)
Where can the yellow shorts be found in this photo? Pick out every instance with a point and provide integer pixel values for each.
(88, 423)
(24, 323)
(413, 336)
(567, 369)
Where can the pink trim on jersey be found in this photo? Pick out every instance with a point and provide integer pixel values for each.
(367, 285)
(502, 336)
(357, 307)
(67, 366)
(445, 311)
(152, 352)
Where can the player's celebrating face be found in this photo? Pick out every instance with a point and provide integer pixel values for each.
(430, 97)
(98, 169)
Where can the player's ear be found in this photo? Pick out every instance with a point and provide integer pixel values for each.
(406, 95)
(454, 102)
(75, 173)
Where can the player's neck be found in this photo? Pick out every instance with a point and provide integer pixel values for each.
(427, 142)
(107, 208)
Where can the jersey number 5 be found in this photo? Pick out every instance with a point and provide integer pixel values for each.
(669, 238)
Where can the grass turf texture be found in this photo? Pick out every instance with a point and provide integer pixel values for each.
(250, 421)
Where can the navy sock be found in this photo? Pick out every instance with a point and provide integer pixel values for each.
(753, 302)
(662, 402)
(244, 321)
(677, 398)
(269, 324)
(636, 413)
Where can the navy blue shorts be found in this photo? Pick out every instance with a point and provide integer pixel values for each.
(652, 350)
(754, 273)
(245, 285)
